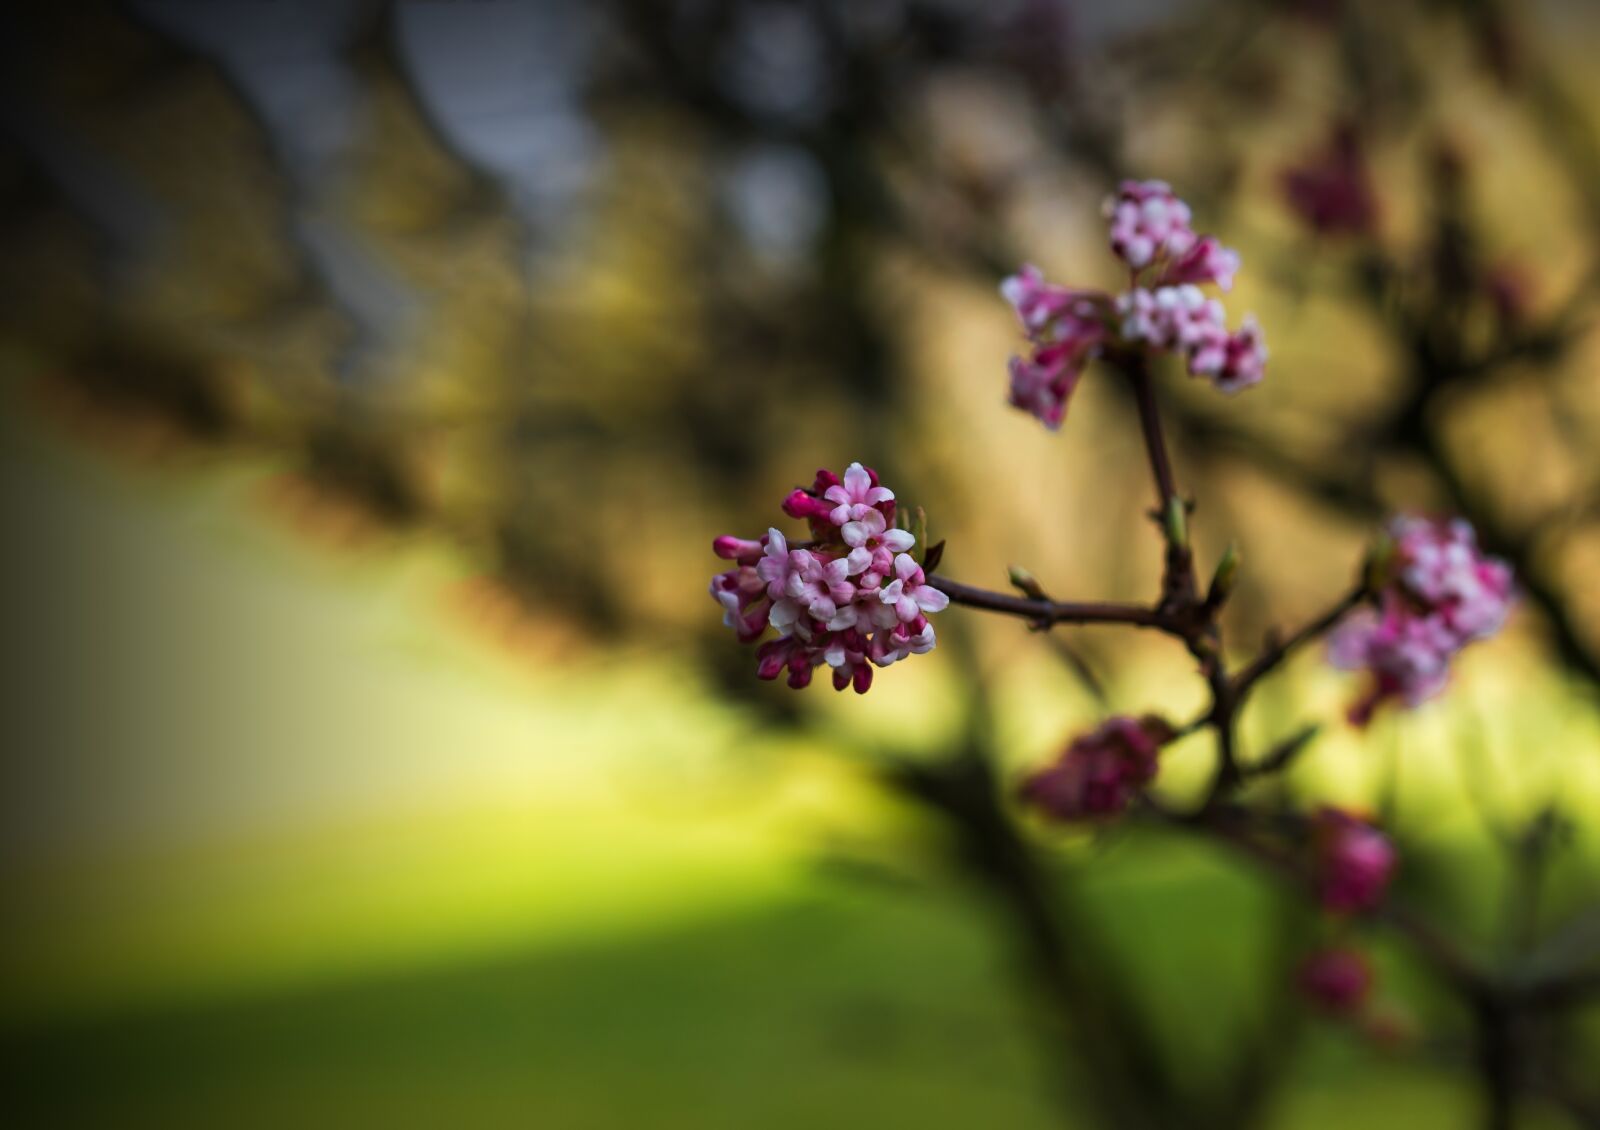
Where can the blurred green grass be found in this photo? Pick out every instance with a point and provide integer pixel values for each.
(830, 1006)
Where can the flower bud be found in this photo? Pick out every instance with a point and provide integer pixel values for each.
(1336, 981)
(1097, 775)
(1354, 861)
(1175, 521)
(1222, 580)
(1025, 582)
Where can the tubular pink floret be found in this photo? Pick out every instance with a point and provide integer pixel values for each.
(1206, 262)
(803, 504)
(1065, 329)
(742, 550)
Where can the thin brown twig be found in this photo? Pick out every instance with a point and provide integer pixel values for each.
(1052, 611)
(1279, 650)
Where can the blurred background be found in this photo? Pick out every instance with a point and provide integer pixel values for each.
(375, 376)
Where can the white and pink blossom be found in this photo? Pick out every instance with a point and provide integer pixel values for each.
(817, 584)
(1206, 262)
(1438, 564)
(857, 495)
(1065, 328)
(901, 641)
(1148, 222)
(852, 597)
(1437, 592)
(1164, 308)
(909, 593)
(870, 533)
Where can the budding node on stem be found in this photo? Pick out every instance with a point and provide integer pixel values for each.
(1223, 579)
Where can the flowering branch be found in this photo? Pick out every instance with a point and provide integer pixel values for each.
(859, 592)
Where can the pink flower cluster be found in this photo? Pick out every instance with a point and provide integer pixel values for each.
(1148, 222)
(1182, 319)
(1097, 775)
(1164, 307)
(1437, 593)
(851, 597)
(1354, 861)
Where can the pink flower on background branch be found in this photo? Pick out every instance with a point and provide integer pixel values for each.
(1436, 592)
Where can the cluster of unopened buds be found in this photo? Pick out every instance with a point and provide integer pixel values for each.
(1435, 592)
(850, 597)
(1163, 308)
(1099, 773)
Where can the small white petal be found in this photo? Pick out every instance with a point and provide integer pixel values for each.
(784, 614)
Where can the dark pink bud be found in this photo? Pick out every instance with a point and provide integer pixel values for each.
(1336, 980)
(771, 658)
(1331, 190)
(799, 676)
(800, 504)
(826, 479)
(742, 550)
(1354, 861)
(1100, 772)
